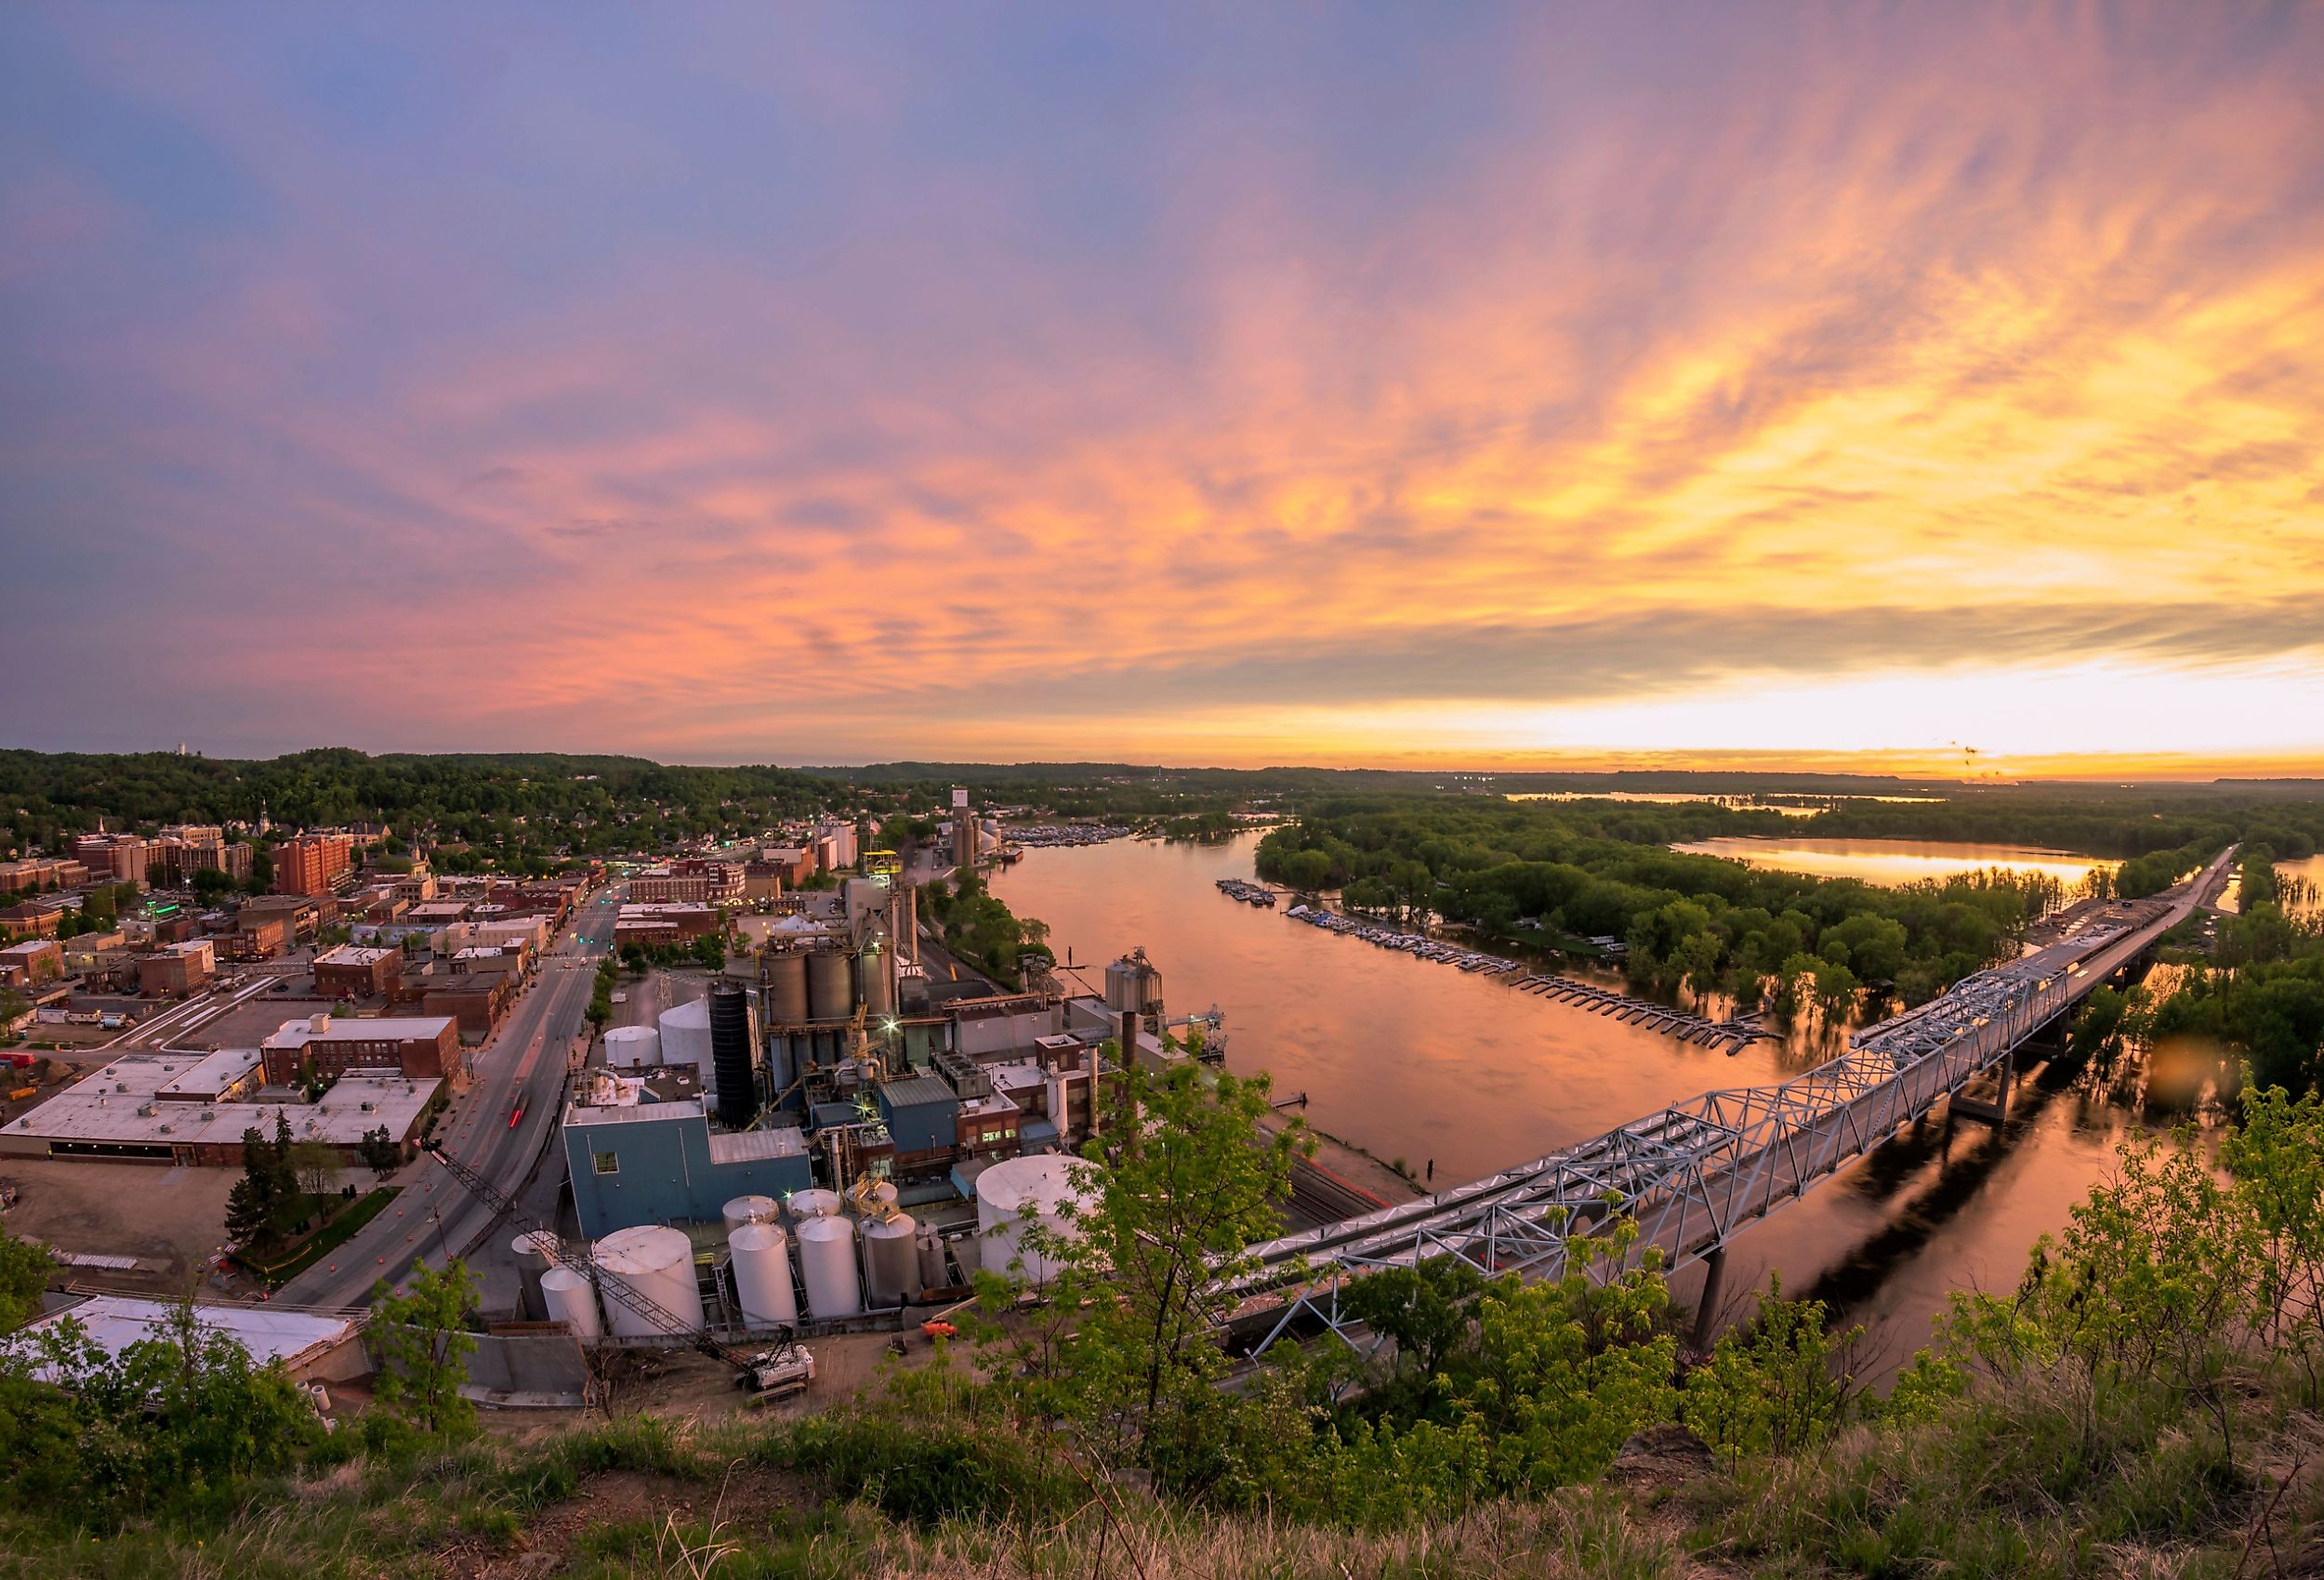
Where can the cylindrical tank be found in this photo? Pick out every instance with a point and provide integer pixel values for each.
(735, 1069)
(813, 1202)
(762, 1275)
(686, 1036)
(534, 1250)
(632, 1048)
(930, 1248)
(892, 1266)
(1042, 1185)
(569, 1300)
(786, 988)
(657, 1263)
(876, 974)
(826, 1262)
(750, 1209)
(829, 985)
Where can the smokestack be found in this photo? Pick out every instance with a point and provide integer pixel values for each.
(1095, 1123)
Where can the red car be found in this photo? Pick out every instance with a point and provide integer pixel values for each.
(516, 1113)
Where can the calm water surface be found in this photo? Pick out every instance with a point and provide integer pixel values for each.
(1424, 1062)
(1893, 862)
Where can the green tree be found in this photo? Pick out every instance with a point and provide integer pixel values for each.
(1774, 1387)
(25, 1269)
(422, 1342)
(1185, 1181)
(379, 1151)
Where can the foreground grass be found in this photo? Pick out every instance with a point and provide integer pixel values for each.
(2025, 1482)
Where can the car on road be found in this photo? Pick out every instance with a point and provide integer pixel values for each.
(514, 1115)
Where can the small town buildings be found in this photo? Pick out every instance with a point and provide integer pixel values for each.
(176, 969)
(31, 963)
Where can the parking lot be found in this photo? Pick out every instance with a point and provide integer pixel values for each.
(172, 1220)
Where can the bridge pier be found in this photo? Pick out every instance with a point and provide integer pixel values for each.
(1714, 1291)
(1995, 1112)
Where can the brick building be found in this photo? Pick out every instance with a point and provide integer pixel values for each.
(31, 962)
(312, 864)
(422, 1047)
(176, 969)
(476, 1001)
(351, 971)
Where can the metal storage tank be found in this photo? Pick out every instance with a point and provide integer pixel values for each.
(750, 1209)
(876, 970)
(735, 1068)
(1132, 984)
(786, 988)
(571, 1300)
(536, 1255)
(827, 1263)
(892, 1266)
(813, 1202)
(1045, 1184)
(762, 1275)
(658, 1263)
(930, 1248)
(830, 983)
(686, 1038)
(632, 1048)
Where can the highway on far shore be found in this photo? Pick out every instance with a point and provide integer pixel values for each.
(520, 1076)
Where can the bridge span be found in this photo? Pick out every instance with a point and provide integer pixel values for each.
(1700, 1172)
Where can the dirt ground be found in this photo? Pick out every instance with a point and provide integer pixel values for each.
(687, 1385)
(171, 1220)
(249, 1024)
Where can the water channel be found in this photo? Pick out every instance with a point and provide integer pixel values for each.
(1414, 1059)
(1893, 862)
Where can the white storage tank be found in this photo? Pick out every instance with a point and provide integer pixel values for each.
(1045, 1185)
(536, 1252)
(686, 1038)
(657, 1263)
(827, 1264)
(762, 1275)
(632, 1048)
(892, 1266)
(571, 1301)
(750, 1209)
(814, 1202)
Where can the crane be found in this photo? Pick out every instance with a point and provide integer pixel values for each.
(785, 1368)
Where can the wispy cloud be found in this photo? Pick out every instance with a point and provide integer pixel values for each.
(789, 390)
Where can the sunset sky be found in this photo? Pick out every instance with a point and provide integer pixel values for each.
(1545, 386)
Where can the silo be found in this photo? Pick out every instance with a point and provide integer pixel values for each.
(735, 1070)
(656, 1263)
(1045, 1185)
(686, 1037)
(892, 1266)
(813, 1202)
(876, 974)
(826, 1262)
(786, 988)
(930, 1248)
(632, 1048)
(750, 1209)
(569, 1299)
(536, 1251)
(762, 1275)
(829, 985)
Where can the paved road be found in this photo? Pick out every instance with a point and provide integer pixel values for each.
(520, 1074)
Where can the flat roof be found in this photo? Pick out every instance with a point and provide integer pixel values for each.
(104, 1107)
(353, 955)
(633, 1114)
(212, 1075)
(916, 1091)
(359, 1028)
(747, 1146)
(115, 1322)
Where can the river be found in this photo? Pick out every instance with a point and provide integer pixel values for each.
(1417, 1060)
(1891, 863)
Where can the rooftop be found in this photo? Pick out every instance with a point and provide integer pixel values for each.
(118, 1103)
(208, 1078)
(747, 1146)
(360, 1028)
(915, 1091)
(353, 955)
(115, 1322)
